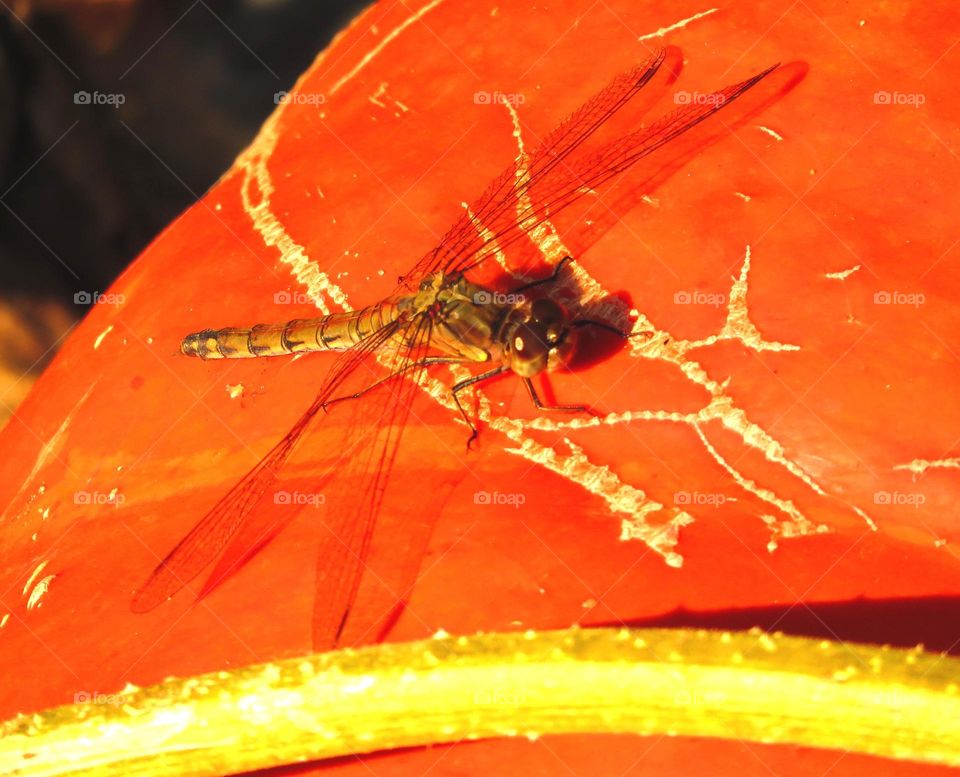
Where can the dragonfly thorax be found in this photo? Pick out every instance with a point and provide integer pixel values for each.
(479, 324)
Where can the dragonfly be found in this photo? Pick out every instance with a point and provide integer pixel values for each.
(440, 314)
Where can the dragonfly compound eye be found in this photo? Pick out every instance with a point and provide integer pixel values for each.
(546, 311)
(528, 350)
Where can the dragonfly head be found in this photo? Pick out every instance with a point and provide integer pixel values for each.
(542, 340)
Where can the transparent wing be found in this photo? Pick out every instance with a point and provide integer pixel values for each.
(563, 169)
(208, 538)
(548, 196)
(354, 508)
(501, 197)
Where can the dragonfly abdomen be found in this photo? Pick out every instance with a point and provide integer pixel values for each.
(328, 333)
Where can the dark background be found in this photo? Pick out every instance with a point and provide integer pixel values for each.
(84, 187)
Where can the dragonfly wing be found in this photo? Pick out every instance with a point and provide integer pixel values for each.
(499, 202)
(571, 161)
(547, 196)
(354, 508)
(207, 539)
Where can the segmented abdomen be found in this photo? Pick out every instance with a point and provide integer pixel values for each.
(329, 333)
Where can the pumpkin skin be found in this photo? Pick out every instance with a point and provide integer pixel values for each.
(848, 439)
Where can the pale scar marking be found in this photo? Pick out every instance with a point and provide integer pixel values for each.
(798, 525)
(36, 573)
(663, 31)
(382, 92)
(385, 41)
(101, 337)
(866, 518)
(917, 467)
(772, 133)
(317, 284)
(39, 591)
(375, 97)
(843, 274)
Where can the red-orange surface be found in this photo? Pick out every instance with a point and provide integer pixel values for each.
(799, 423)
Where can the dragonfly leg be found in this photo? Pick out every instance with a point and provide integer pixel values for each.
(549, 279)
(609, 328)
(422, 363)
(457, 388)
(561, 408)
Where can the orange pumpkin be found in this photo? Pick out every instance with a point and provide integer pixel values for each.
(781, 452)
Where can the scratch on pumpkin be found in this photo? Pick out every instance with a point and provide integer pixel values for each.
(772, 133)
(382, 92)
(39, 591)
(632, 503)
(678, 25)
(919, 466)
(390, 36)
(36, 573)
(101, 337)
(843, 274)
(35, 589)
